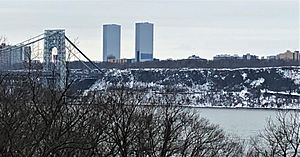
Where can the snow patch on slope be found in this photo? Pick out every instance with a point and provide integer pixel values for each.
(293, 74)
(258, 82)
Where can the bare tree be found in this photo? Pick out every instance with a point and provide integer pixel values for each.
(3, 39)
(39, 121)
(157, 127)
(281, 137)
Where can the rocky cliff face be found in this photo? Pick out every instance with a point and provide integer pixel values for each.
(255, 87)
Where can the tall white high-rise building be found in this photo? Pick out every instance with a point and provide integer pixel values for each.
(111, 41)
(143, 42)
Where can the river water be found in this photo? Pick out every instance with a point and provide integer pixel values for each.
(241, 122)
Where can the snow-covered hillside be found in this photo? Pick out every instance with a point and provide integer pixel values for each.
(256, 87)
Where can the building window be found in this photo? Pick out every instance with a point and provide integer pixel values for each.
(146, 56)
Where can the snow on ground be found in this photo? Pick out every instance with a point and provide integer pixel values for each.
(258, 82)
(208, 94)
(293, 74)
(244, 75)
(243, 93)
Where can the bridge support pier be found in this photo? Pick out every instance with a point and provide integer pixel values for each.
(56, 64)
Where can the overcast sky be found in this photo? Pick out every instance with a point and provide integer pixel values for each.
(182, 27)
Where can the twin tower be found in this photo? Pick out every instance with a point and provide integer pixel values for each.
(143, 42)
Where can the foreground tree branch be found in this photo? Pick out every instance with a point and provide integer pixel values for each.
(281, 137)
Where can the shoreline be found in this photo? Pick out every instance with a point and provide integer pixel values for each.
(246, 108)
(229, 108)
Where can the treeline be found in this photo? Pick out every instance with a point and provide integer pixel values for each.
(36, 120)
(173, 64)
(191, 63)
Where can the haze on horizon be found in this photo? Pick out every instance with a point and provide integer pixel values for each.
(182, 27)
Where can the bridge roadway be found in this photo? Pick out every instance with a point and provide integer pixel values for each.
(74, 74)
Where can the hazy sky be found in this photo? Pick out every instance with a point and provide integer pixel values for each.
(182, 27)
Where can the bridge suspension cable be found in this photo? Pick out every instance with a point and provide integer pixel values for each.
(79, 59)
(82, 53)
(30, 39)
(23, 45)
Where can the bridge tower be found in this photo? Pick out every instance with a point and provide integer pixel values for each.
(55, 64)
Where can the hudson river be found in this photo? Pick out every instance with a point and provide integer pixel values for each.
(241, 122)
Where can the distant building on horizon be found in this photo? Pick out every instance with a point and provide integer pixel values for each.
(11, 55)
(227, 57)
(271, 57)
(289, 56)
(111, 41)
(121, 61)
(144, 42)
(248, 56)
